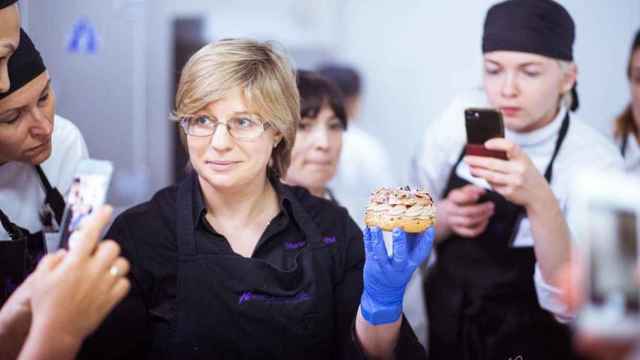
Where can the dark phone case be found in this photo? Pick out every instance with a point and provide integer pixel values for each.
(480, 150)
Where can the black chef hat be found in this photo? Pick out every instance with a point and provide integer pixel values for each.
(5, 3)
(24, 65)
(540, 27)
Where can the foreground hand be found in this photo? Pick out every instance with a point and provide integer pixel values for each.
(517, 179)
(72, 292)
(461, 213)
(385, 278)
(569, 280)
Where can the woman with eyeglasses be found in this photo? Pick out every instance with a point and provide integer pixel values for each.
(323, 120)
(233, 264)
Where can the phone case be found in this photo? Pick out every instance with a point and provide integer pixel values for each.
(480, 150)
(87, 192)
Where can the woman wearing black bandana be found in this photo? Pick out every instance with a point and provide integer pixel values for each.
(504, 225)
(38, 155)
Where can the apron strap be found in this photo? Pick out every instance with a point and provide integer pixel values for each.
(548, 173)
(623, 145)
(12, 229)
(53, 198)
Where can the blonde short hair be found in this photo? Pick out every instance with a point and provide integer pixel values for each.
(265, 77)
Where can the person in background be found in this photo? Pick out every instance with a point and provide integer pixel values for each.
(627, 125)
(364, 163)
(66, 297)
(316, 150)
(504, 226)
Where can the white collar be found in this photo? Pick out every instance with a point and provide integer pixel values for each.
(538, 136)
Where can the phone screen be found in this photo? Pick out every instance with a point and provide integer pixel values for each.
(482, 125)
(87, 192)
(613, 256)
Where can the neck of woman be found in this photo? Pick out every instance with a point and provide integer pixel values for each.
(241, 205)
(318, 191)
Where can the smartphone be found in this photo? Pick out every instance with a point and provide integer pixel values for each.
(482, 125)
(608, 245)
(87, 192)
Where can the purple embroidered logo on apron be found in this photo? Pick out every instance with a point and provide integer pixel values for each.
(329, 240)
(251, 296)
(294, 245)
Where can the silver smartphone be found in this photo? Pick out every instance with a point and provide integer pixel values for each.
(608, 246)
(88, 191)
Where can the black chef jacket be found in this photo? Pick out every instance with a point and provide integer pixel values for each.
(296, 297)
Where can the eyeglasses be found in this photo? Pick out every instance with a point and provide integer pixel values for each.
(241, 128)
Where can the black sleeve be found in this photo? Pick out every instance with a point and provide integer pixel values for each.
(348, 292)
(125, 333)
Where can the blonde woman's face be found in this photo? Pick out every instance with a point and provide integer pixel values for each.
(316, 151)
(525, 87)
(26, 122)
(223, 161)
(9, 39)
(635, 84)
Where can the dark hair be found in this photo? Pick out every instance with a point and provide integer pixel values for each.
(7, 3)
(316, 92)
(625, 123)
(346, 78)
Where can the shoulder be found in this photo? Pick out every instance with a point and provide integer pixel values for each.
(67, 150)
(602, 151)
(66, 134)
(149, 226)
(330, 219)
(319, 210)
(160, 208)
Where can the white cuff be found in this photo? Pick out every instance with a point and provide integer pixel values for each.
(549, 298)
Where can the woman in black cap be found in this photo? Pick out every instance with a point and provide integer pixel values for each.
(38, 155)
(9, 38)
(504, 225)
(627, 125)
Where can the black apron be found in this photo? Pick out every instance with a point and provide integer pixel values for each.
(20, 255)
(283, 301)
(480, 294)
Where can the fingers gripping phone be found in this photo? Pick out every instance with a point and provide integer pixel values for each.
(87, 192)
(608, 243)
(482, 125)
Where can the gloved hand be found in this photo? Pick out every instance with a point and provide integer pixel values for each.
(385, 278)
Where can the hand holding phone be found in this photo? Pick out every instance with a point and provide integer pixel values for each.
(483, 125)
(87, 193)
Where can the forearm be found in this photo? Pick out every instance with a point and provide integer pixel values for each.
(12, 337)
(44, 342)
(552, 239)
(377, 341)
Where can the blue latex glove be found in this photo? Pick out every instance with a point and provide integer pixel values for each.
(385, 278)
